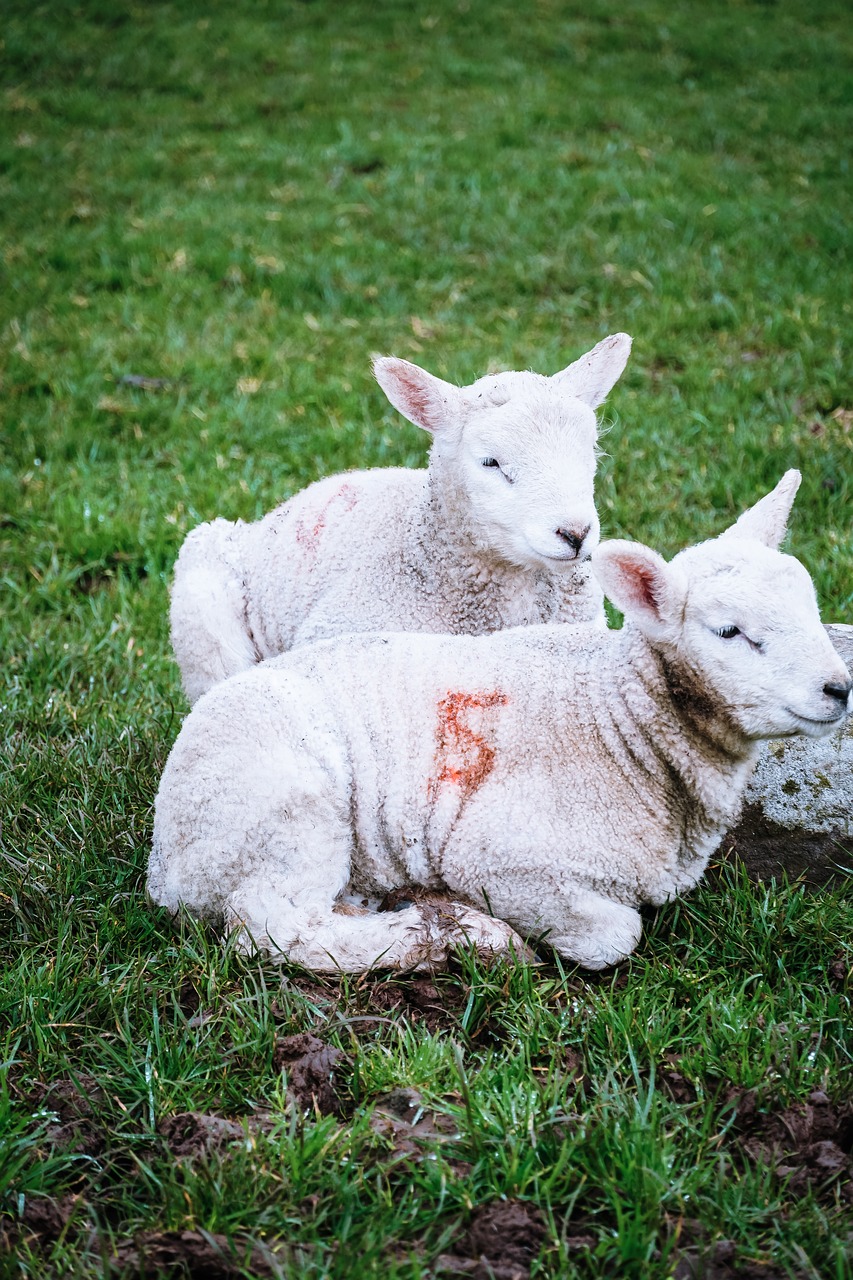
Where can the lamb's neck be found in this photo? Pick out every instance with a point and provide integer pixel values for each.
(670, 728)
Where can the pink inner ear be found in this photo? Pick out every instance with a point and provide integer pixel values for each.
(417, 398)
(645, 586)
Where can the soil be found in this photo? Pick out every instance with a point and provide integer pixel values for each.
(501, 1242)
(196, 1133)
(74, 1104)
(810, 1144)
(408, 1126)
(46, 1219)
(720, 1262)
(311, 1065)
(676, 1086)
(420, 1000)
(198, 1255)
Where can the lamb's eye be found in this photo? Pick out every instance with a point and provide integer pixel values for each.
(493, 462)
(727, 633)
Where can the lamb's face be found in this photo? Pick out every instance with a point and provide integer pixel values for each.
(526, 460)
(518, 449)
(751, 632)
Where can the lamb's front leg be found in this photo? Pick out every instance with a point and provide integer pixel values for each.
(582, 925)
(595, 931)
(309, 928)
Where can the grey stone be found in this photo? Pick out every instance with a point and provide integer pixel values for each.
(798, 812)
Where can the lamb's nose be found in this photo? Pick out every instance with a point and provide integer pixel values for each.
(839, 691)
(573, 537)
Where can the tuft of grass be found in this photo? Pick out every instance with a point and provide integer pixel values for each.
(210, 221)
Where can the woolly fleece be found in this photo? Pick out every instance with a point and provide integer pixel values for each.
(555, 776)
(497, 532)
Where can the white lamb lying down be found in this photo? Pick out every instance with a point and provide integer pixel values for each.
(497, 532)
(556, 776)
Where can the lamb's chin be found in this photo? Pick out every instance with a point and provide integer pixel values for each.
(805, 726)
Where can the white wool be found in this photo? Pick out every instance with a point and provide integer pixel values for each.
(554, 777)
(462, 547)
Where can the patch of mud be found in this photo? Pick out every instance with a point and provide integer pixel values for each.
(408, 1126)
(672, 1083)
(73, 1110)
(200, 1255)
(189, 1000)
(809, 1144)
(313, 1071)
(419, 1000)
(323, 992)
(501, 1242)
(43, 1220)
(720, 1262)
(572, 1063)
(197, 1133)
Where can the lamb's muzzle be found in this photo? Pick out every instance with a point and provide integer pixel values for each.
(842, 693)
(574, 539)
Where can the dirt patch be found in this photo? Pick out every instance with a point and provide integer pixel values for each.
(197, 1133)
(419, 1000)
(408, 1126)
(809, 1143)
(197, 1254)
(70, 1107)
(840, 970)
(44, 1220)
(672, 1083)
(188, 999)
(501, 1242)
(313, 1072)
(323, 992)
(719, 1262)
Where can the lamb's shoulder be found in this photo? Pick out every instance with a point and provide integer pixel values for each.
(325, 561)
(357, 504)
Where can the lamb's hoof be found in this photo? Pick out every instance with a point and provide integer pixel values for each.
(448, 925)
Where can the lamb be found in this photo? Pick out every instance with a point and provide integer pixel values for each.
(496, 532)
(548, 779)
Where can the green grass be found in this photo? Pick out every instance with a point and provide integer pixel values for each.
(246, 201)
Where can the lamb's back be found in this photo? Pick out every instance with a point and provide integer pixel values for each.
(339, 556)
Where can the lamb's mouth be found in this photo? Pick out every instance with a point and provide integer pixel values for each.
(826, 720)
(569, 558)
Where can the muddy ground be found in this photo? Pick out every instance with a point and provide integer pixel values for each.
(809, 1144)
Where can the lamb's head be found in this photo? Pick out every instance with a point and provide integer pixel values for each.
(515, 453)
(738, 623)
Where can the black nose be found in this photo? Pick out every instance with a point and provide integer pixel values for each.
(573, 537)
(839, 691)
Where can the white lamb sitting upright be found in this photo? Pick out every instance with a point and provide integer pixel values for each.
(497, 532)
(556, 776)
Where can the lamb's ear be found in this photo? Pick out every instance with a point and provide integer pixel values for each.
(641, 584)
(767, 521)
(425, 400)
(593, 376)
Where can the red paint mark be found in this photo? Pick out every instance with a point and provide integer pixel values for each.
(463, 757)
(309, 536)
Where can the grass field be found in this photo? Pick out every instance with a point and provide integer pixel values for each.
(211, 216)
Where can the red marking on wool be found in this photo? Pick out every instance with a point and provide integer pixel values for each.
(463, 757)
(309, 537)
